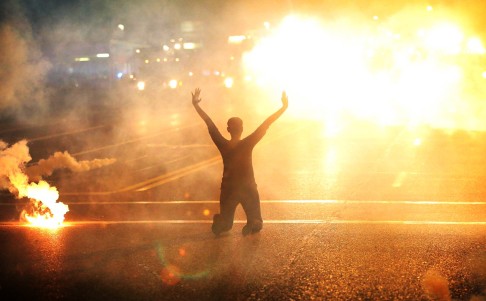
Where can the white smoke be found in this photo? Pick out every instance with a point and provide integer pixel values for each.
(44, 210)
(63, 160)
(12, 164)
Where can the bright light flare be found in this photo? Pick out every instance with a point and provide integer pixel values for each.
(103, 55)
(173, 83)
(141, 85)
(229, 82)
(45, 211)
(445, 38)
(475, 46)
(398, 73)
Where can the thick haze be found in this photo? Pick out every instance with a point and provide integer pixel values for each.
(34, 34)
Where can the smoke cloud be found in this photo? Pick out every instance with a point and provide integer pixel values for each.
(63, 160)
(27, 182)
(22, 72)
(12, 163)
(23, 65)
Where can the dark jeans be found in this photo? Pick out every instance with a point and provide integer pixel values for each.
(231, 196)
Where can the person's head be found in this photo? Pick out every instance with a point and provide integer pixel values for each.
(235, 127)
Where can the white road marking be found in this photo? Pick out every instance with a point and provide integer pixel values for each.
(270, 221)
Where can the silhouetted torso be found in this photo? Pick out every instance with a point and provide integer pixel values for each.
(237, 157)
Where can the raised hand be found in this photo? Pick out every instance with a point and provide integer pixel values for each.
(195, 96)
(285, 100)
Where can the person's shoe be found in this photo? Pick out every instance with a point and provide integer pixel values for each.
(252, 228)
(219, 225)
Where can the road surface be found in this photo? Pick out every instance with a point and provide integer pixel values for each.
(363, 212)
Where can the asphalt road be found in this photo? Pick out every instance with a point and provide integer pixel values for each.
(324, 261)
(362, 212)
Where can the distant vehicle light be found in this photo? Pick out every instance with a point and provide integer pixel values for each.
(228, 82)
(236, 39)
(141, 85)
(173, 83)
(189, 45)
(103, 55)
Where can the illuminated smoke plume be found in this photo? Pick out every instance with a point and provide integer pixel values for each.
(44, 210)
(12, 162)
(63, 160)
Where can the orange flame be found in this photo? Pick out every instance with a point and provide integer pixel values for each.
(45, 211)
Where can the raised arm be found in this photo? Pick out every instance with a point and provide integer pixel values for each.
(213, 130)
(262, 129)
(285, 103)
(196, 99)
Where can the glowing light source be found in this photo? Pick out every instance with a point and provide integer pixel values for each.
(228, 82)
(389, 75)
(475, 46)
(236, 39)
(446, 38)
(141, 85)
(47, 213)
(82, 59)
(189, 46)
(177, 46)
(173, 83)
(121, 27)
(103, 55)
